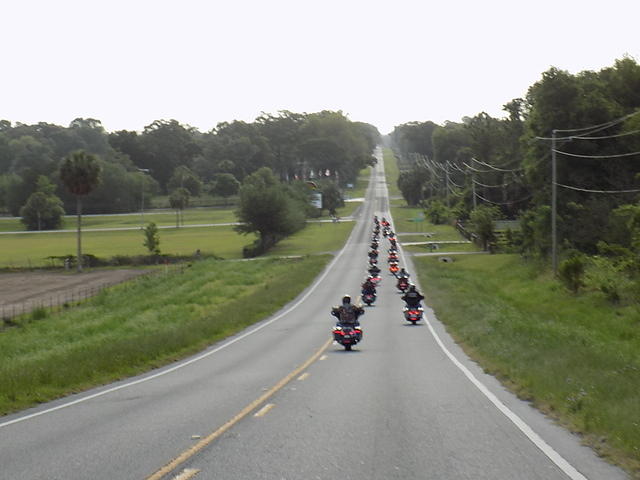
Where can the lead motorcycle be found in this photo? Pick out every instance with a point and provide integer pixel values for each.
(347, 335)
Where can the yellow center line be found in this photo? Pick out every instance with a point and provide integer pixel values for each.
(303, 376)
(187, 454)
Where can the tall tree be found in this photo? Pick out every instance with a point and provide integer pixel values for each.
(80, 174)
(265, 208)
(179, 200)
(43, 210)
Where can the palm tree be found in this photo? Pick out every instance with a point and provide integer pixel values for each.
(80, 173)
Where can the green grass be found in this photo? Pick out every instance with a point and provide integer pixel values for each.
(22, 250)
(575, 357)
(141, 324)
(443, 247)
(360, 187)
(316, 237)
(391, 172)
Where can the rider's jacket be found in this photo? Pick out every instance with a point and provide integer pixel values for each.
(347, 314)
(412, 298)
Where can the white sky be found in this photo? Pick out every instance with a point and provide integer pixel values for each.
(130, 62)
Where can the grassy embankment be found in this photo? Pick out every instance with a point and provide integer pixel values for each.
(576, 358)
(141, 324)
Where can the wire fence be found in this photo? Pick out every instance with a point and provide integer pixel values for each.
(52, 303)
(43, 305)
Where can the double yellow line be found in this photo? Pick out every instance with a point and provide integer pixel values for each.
(187, 454)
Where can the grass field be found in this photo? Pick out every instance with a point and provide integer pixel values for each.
(575, 357)
(141, 324)
(24, 250)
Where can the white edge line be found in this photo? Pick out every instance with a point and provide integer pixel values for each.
(547, 449)
(538, 441)
(199, 357)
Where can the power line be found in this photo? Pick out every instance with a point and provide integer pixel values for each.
(578, 189)
(451, 181)
(593, 128)
(503, 203)
(493, 167)
(619, 155)
(473, 169)
(617, 135)
(492, 186)
(457, 194)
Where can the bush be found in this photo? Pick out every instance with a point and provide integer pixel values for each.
(571, 273)
(437, 212)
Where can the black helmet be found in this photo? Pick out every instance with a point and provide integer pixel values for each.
(412, 288)
(346, 299)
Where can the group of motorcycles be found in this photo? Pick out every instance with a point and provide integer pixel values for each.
(349, 335)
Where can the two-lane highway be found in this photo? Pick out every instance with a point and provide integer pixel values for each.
(280, 401)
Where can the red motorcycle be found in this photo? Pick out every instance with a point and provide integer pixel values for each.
(412, 314)
(347, 336)
(402, 284)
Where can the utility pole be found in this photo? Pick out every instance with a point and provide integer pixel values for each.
(446, 176)
(554, 201)
(143, 171)
(473, 190)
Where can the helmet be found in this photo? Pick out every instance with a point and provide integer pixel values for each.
(412, 287)
(346, 299)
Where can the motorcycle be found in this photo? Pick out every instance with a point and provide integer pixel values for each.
(375, 279)
(402, 284)
(347, 335)
(393, 257)
(394, 268)
(413, 314)
(369, 297)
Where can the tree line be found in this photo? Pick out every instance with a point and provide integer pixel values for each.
(175, 159)
(484, 168)
(506, 162)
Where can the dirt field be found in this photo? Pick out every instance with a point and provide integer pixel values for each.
(21, 292)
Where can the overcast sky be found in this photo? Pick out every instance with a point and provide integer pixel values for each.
(130, 62)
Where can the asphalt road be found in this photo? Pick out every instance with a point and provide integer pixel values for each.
(279, 401)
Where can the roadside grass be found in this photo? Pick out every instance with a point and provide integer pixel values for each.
(576, 358)
(391, 172)
(314, 238)
(141, 324)
(190, 216)
(442, 247)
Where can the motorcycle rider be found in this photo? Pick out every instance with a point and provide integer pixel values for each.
(347, 313)
(368, 286)
(374, 270)
(402, 274)
(413, 297)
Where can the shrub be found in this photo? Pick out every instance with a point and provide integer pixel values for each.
(571, 273)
